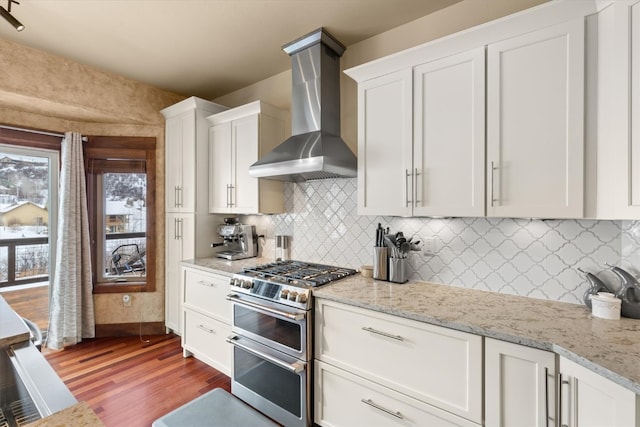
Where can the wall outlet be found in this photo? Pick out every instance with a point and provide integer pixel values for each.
(126, 300)
(429, 247)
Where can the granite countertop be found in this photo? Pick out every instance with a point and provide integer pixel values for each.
(609, 347)
(78, 415)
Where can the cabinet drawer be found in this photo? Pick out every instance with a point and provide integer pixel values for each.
(207, 293)
(206, 338)
(436, 365)
(344, 399)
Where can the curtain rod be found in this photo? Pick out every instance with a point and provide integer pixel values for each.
(84, 138)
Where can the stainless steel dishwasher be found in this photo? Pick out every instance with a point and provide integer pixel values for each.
(29, 387)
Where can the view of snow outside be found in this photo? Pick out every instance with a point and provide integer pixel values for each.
(125, 212)
(24, 179)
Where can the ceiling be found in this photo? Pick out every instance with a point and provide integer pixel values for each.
(206, 48)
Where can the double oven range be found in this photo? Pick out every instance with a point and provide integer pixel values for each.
(272, 325)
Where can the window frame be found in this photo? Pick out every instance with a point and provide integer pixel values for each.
(122, 148)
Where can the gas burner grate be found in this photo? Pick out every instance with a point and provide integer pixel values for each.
(308, 273)
(24, 412)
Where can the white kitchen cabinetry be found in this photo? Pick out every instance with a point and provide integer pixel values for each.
(449, 136)
(186, 168)
(422, 130)
(189, 228)
(535, 120)
(439, 367)
(238, 138)
(187, 236)
(519, 385)
(207, 318)
(618, 104)
(345, 399)
(385, 145)
(590, 400)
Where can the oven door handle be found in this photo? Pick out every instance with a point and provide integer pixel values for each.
(296, 367)
(258, 307)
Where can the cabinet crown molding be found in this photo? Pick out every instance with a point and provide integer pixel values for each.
(256, 107)
(192, 103)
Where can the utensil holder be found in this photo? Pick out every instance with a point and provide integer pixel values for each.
(398, 270)
(380, 262)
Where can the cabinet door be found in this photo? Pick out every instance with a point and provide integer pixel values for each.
(244, 152)
(590, 400)
(449, 136)
(385, 171)
(179, 245)
(519, 385)
(220, 168)
(180, 153)
(535, 119)
(344, 399)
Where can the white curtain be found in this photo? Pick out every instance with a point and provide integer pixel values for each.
(71, 315)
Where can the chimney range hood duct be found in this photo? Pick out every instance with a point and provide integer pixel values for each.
(315, 149)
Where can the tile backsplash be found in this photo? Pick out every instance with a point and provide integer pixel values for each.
(527, 257)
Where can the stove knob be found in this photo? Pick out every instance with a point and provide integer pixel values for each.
(293, 295)
(247, 284)
(284, 294)
(235, 282)
(302, 298)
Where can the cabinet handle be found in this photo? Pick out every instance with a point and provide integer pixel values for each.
(384, 334)
(406, 189)
(175, 229)
(178, 230)
(547, 375)
(371, 403)
(492, 196)
(209, 284)
(415, 188)
(561, 382)
(231, 187)
(176, 197)
(204, 328)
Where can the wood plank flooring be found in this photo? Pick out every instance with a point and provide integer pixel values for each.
(32, 303)
(131, 383)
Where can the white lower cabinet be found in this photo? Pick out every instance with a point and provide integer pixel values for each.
(207, 318)
(519, 385)
(439, 367)
(590, 400)
(345, 399)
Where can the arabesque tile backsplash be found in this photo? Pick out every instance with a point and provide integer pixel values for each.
(527, 257)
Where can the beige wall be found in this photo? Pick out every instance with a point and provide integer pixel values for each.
(42, 91)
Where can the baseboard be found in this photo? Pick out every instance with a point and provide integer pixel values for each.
(129, 329)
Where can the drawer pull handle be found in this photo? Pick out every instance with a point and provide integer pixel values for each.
(371, 403)
(209, 284)
(204, 328)
(384, 334)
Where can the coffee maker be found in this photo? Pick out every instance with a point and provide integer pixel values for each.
(239, 240)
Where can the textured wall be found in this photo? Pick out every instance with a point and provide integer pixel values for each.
(534, 258)
(43, 91)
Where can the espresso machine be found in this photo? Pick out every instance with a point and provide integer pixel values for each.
(239, 241)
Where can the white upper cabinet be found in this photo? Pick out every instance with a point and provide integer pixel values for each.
(385, 145)
(535, 120)
(237, 139)
(448, 148)
(617, 192)
(186, 128)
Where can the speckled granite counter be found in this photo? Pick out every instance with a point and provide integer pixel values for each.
(608, 347)
(223, 266)
(78, 415)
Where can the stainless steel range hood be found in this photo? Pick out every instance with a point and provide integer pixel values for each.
(315, 150)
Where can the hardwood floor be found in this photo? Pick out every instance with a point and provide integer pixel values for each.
(32, 303)
(131, 383)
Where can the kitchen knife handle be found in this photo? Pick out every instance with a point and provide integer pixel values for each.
(406, 188)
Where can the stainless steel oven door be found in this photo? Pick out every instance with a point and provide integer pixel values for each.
(274, 383)
(275, 325)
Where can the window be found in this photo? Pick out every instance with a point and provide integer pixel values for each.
(121, 198)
